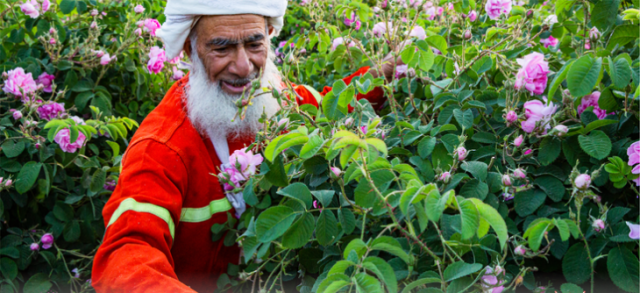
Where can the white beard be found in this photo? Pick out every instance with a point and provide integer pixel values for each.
(211, 110)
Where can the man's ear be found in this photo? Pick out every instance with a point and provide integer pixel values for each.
(270, 29)
(187, 47)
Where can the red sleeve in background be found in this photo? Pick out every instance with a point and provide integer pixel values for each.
(375, 97)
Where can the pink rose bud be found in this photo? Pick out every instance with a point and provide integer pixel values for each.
(594, 33)
(583, 181)
(103, 13)
(462, 153)
(140, 23)
(520, 250)
(598, 225)
(473, 15)
(93, 25)
(315, 204)
(445, 176)
(177, 74)
(99, 53)
(52, 31)
(467, 34)
(34, 246)
(520, 173)
(106, 58)
(5, 75)
(138, 32)
(518, 141)
(529, 13)
(587, 45)
(1, 179)
(506, 180)
(37, 145)
(138, 9)
(561, 130)
(283, 121)
(94, 12)
(17, 115)
(528, 152)
(52, 41)
(8, 183)
(336, 171)
(348, 121)
(47, 240)
(511, 116)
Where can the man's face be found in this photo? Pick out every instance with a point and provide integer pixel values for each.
(233, 49)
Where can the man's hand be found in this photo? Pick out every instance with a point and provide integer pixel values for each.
(387, 67)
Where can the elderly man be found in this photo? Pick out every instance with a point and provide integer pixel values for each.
(158, 236)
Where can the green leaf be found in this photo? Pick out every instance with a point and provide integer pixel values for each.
(324, 196)
(438, 42)
(298, 191)
(367, 284)
(8, 268)
(72, 231)
(597, 144)
(356, 245)
(347, 220)
(326, 227)
(273, 222)
(604, 14)
(571, 288)
(27, 176)
(330, 107)
(426, 146)
(314, 144)
(299, 233)
(477, 169)
(276, 174)
(38, 283)
(436, 204)
(460, 269)
(527, 202)
(66, 6)
(418, 283)
(536, 233)
(465, 119)
(622, 35)
(607, 101)
(470, 219)
(345, 98)
(551, 186)
(597, 124)
(333, 283)
(383, 271)
(82, 99)
(620, 72)
(491, 216)
(426, 60)
(390, 245)
(622, 265)
(559, 77)
(575, 265)
(549, 150)
(583, 75)
(97, 180)
(12, 149)
(280, 143)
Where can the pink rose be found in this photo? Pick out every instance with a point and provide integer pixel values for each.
(528, 152)
(587, 45)
(440, 10)
(490, 279)
(177, 74)
(445, 176)
(151, 25)
(598, 225)
(473, 15)
(99, 53)
(138, 9)
(16, 114)
(380, 28)
(235, 177)
(45, 5)
(592, 101)
(634, 153)
(418, 32)
(506, 180)
(583, 181)
(561, 130)
(538, 116)
(594, 33)
(511, 117)
(635, 231)
(138, 32)
(518, 141)
(495, 8)
(93, 25)
(467, 34)
(338, 41)
(532, 74)
(51, 110)
(247, 161)
(106, 58)
(94, 12)
(18, 82)
(348, 21)
(520, 250)
(520, 173)
(52, 41)
(348, 121)
(462, 153)
(336, 171)
(78, 120)
(31, 8)
(34, 247)
(63, 139)
(46, 80)
(431, 13)
(47, 240)
(549, 42)
(401, 71)
(156, 60)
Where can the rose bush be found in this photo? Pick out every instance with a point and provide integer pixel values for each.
(506, 156)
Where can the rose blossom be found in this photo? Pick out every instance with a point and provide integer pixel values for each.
(51, 110)
(634, 159)
(598, 225)
(34, 246)
(592, 101)
(473, 15)
(635, 231)
(78, 120)
(594, 33)
(106, 58)
(587, 44)
(538, 113)
(151, 25)
(47, 240)
(338, 41)
(46, 80)
(506, 180)
(401, 71)
(518, 141)
(8, 182)
(16, 114)
(549, 42)
(496, 7)
(512, 117)
(18, 81)
(380, 28)
(94, 12)
(489, 280)
(520, 250)
(45, 5)
(63, 139)
(348, 21)
(93, 25)
(520, 173)
(507, 196)
(561, 130)
(532, 74)
(247, 160)
(30, 8)
(156, 60)
(462, 153)
(418, 32)
(336, 171)
(177, 74)
(583, 181)
(445, 176)
(138, 9)
(138, 32)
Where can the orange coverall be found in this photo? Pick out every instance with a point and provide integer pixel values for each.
(158, 236)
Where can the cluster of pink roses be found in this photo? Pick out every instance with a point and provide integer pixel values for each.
(63, 139)
(33, 9)
(592, 101)
(51, 110)
(243, 165)
(156, 60)
(21, 84)
(348, 21)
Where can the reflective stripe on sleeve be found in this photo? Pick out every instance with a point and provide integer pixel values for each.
(131, 204)
(194, 215)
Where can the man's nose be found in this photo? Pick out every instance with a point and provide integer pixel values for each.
(242, 65)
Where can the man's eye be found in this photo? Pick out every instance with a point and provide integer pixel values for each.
(255, 45)
(220, 50)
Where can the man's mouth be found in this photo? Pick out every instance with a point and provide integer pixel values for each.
(237, 86)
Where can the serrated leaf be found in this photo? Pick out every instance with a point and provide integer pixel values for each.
(299, 233)
(583, 74)
(597, 144)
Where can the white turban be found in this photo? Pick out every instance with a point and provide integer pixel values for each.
(181, 15)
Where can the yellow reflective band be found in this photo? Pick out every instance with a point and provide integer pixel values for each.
(131, 204)
(194, 215)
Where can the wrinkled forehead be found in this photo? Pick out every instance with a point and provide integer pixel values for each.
(231, 27)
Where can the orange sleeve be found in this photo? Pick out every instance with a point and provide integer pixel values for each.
(135, 255)
(375, 97)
